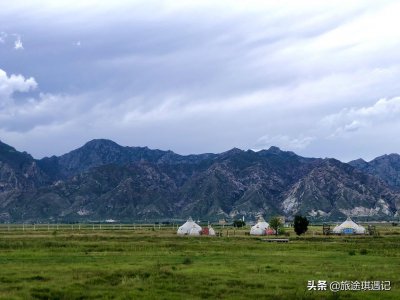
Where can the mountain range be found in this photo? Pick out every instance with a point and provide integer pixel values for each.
(103, 180)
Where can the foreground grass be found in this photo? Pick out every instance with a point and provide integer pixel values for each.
(156, 264)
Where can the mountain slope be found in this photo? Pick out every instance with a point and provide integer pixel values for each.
(19, 175)
(386, 167)
(334, 188)
(100, 152)
(103, 180)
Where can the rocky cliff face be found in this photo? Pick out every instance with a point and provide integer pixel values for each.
(103, 180)
(101, 152)
(333, 188)
(19, 175)
(386, 167)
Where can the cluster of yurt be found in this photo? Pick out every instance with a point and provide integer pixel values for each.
(192, 228)
(261, 228)
(349, 227)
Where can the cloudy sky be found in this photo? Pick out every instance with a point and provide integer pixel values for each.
(320, 78)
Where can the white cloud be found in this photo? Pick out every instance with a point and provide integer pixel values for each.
(350, 120)
(14, 83)
(18, 44)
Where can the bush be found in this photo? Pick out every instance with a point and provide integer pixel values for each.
(238, 223)
(300, 224)
(352, 252)
(363, 251)
(275, 223)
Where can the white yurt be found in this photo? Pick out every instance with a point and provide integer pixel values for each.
(189, 228)
(349, 227)
(260, 228)
(195, 231)
(211, 230)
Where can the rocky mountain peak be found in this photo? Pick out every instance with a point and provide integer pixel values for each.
(386, 167)
(393, 158)
(13, 157)
(233, 151)
(358, 163)
(103, 180)
(100, 143)
(274, 150)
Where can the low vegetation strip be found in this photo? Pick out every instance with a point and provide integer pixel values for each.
(148, 263)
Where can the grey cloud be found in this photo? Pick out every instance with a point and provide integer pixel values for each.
(284, 142)
(199, 76)
(176, 52)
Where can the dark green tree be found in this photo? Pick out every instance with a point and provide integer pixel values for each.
(300, 224)
(275, 223)
(238, 223)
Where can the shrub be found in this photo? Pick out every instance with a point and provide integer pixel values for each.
(352, 252)
(300, 224)
(275, 223)
(238, 223)
(363, 251)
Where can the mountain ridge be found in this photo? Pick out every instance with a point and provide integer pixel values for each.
(103, 180)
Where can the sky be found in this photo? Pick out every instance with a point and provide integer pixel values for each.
(320, 78)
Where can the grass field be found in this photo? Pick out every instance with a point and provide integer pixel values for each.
(83, 262)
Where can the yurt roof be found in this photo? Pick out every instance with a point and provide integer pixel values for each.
(349, 224)
(188, 226)
(260, 219)
(260, 227)
(261, 223)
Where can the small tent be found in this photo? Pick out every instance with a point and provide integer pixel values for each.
(208, 231)
(260, 228)
(211, 231)
(189, 228)
(349, 227)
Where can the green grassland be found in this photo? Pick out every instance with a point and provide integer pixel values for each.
(113, 262)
